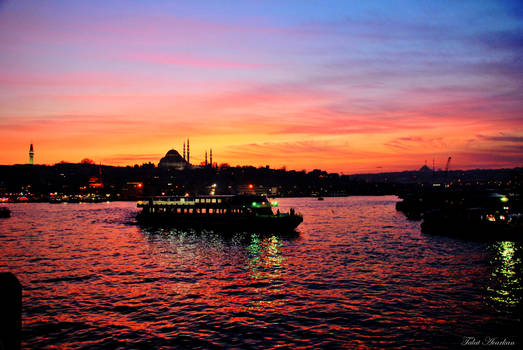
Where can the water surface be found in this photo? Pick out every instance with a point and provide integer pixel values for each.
(358, 275)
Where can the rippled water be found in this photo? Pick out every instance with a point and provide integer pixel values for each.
(358, 275)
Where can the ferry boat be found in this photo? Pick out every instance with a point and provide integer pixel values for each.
(223, 212)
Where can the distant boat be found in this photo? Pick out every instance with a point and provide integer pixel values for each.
(467, 214)
(320, 198)
(5, 212)
(474, 223)
(241, 212)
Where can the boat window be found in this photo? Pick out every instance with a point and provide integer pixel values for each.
(214, 200)
(182, 200)
(207, 200)
(178, 210)
(197, 200)
(219, 200)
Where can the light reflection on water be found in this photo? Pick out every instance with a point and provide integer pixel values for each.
(358, 275)
(505, 289)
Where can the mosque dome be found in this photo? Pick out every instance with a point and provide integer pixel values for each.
(173, 159)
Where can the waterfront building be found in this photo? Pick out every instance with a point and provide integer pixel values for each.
(132, 190)
(250, 189)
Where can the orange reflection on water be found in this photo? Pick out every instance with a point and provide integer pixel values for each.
(358, 275)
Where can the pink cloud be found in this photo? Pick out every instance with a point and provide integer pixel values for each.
(503, 137)
(82, 79)
(417, 144)
(191, 61)
(145, 29)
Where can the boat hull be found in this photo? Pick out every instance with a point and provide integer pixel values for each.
(282, 223)
(470, 229)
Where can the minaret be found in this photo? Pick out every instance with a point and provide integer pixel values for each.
(205, 158)
(211, 157)
(31, 154)
(184, 150)
(188, 153)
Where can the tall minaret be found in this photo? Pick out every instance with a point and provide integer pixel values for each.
(184, 150)
(211, 157)
(205, 158)
(188, 153)
(31, 154)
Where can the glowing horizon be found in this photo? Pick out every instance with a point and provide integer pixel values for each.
(346, 88)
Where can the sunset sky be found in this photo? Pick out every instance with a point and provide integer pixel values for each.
(345, 86)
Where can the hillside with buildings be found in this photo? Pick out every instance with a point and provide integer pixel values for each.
(175, 175)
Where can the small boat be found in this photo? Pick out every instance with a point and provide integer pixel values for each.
(474, 223)
(235, 212)
(483, 214)
(5, 212)
(320, 198)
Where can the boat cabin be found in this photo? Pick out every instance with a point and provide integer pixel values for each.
(209, 205)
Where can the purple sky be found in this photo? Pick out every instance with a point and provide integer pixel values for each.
(343, 86)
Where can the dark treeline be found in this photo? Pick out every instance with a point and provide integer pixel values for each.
(128, 182)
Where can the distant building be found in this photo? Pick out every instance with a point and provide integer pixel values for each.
(173, 160)
(253, 190)
(425, 169)
(132, 190)
(31, 154)
(95, 182)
